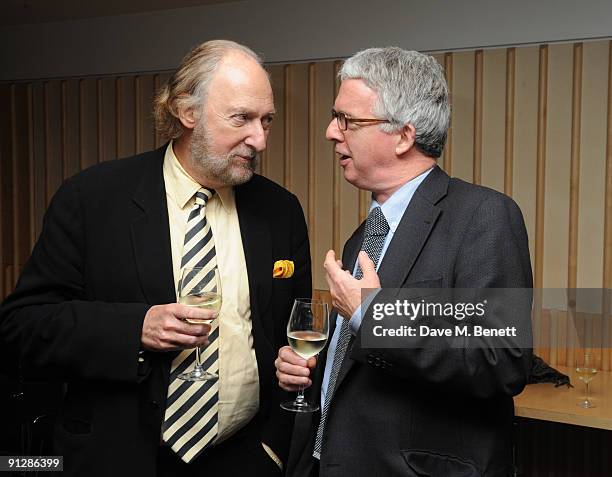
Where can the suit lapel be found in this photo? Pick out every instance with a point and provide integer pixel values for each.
(408, 241)
(151, 234)
(257, 245)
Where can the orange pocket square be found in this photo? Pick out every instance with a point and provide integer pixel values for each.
(283, 269)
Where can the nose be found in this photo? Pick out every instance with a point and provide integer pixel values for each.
(257, 137)
(333, 132)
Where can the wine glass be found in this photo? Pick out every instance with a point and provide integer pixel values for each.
(200, 287)
(307, 333)
(586, 371)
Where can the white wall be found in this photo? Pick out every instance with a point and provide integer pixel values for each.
(291, 30)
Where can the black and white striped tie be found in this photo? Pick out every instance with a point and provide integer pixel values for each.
(190, 422)
(374, 235)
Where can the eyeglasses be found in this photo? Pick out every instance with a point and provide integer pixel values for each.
(344, 121)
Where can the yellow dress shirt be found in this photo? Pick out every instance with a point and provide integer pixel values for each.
(238, 375)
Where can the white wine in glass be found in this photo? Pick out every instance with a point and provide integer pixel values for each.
(307, 333)
(201, 288)
(586, 371)
(307, 343)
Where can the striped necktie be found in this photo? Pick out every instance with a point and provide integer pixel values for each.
(190, 422)
(374, 235)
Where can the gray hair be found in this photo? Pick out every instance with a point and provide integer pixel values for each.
(411, 90)
(188, 86)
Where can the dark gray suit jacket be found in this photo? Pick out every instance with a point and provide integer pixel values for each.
(434, 412)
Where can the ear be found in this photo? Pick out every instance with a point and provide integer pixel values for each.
(187, 116)
(406, 139)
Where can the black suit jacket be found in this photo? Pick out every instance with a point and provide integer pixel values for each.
(103, 258)
(429, 412)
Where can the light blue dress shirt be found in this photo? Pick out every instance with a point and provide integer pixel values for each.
(393, 210)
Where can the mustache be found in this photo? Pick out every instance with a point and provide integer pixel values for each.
(248, 153)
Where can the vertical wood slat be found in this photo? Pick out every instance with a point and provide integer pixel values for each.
(509, 122)
(100, 135)
(138, 116)
(31, 175)
(462, 115)
(312, 168)
(273, 159)
(541, 167)
(574, 192)
(14, 180)
(321, 193)
(477, 146)
(118, 117)
(607, 252)
(5, 162)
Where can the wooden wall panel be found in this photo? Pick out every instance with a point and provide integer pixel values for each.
(592, 168)
(558, 159)
(39, 170)
(462, 117)
(493, 119)
(70, 99)
(273, 163)
(296, 132)
(20, 174)
(321, 180)
(88, 122)
(125, 116)
(6, 186)
(159, 80)
(52, 116)
(144, 90)
(107, 119)
(525, 138)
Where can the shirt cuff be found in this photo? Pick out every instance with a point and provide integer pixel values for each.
(355, 321)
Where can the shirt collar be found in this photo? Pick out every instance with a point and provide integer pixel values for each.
(395, 206)
(181, 187)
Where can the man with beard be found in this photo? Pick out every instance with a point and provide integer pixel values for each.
(95, 307)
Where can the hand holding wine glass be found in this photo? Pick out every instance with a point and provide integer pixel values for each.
(586, 371)
(200, 287)
(307, 333)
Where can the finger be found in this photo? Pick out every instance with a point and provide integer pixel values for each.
(293, 369)
(185, 312)
(330, 260)
(366, 264)
(287, 355)
(192, 329)
(293, 381)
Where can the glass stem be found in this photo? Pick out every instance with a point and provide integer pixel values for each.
(586, 398)
(198, 362)
(300, 395)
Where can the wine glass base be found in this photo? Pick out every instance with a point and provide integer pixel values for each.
(585, 404)
(299, 406)
(198, 375)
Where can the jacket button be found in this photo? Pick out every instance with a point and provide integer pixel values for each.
(154, 404)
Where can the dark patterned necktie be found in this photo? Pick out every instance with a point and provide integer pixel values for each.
(375, 233)
(190, 422)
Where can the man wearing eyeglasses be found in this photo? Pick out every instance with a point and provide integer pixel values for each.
(426, 411)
